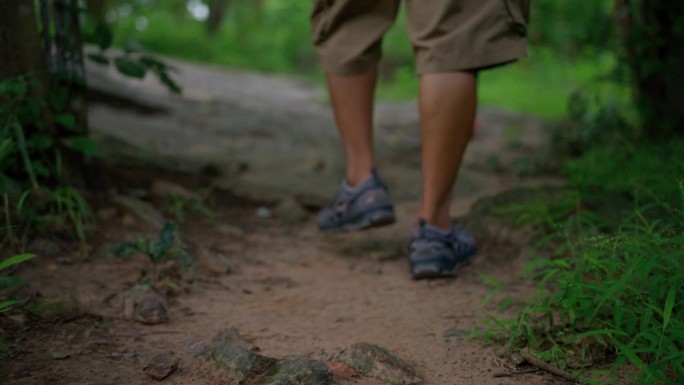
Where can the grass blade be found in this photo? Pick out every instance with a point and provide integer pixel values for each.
(669, 305)
(15, 259)
(21, 143)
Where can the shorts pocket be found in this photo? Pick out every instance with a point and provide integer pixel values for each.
(319, 22)
(518, 15)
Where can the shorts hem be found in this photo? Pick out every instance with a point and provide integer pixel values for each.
(497, 55)
(348, 69)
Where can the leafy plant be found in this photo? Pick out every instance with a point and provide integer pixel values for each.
(612, 289)
(8, 304)
(179, 206)
(31, 154)
(165, 254)
(165, 248)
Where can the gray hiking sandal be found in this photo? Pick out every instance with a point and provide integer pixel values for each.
(360, 207)
(435, 253)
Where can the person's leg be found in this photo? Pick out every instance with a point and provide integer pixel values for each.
(447, 107)
(348, 36)
(352, 102)
(362, 200)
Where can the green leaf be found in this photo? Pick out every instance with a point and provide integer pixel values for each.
(489, 280)
(506, 303)
(15, 260)
(152, 63)
(103, 36)
(669, 305)
(84, 145)
(129, 68)
(170, 84)
(67, 121)
(631, 355)
(5, 148)
(98, 58)
(40, 168)
(167, 234)
(5, 306)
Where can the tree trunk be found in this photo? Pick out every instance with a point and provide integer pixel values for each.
(20, 47)
(654, 37)
(217, 10)
(23, 53)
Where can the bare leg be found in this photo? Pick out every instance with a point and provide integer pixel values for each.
(447, 110)
(352, 102)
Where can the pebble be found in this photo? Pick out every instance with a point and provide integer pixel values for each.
(161, 365)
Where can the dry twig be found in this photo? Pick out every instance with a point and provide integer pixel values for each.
(547, 367)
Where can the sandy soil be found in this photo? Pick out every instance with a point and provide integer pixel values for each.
(290, 291)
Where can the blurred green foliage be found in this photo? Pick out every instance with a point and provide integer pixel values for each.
(571, 46)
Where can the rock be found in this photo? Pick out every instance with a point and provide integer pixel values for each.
(55, 309)
(18, 320)
(231, 337)
(161, 365)
(144, 305)
(216, 262)
(290, 212)
(107, 214)
(230, 352)
(375, 361)
(299, 370)
(238, 363)
(230, 230)
(165, 189)
(141, 209)
(59, 354)
(151, 310)
(263, 213)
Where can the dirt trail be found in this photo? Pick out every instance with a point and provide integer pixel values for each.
(290, 290)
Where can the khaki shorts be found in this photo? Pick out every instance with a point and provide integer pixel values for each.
(447, 35)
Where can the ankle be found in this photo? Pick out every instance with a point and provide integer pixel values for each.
(356, 177)
(439, 221)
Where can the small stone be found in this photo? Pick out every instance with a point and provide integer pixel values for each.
(151, 310)
(299, 370)
(263, 213)
(233, 354)
(377, 362)
(161, 365)
(216, 262)
(106, 214)
(59, 354)
(55, 309)
(289, 211)
(230, 230)
(141, 209)
(18, 320)
(165, 189)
